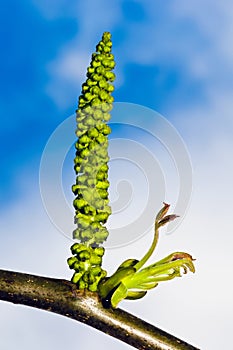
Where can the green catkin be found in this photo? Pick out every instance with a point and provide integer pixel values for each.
(91, 189)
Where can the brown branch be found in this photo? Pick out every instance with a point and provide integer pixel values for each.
(62, 297)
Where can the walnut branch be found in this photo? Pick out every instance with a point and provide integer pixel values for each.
(63, 297)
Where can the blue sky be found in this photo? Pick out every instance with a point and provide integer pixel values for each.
(37, 43)
(174, 57)
(46, 49)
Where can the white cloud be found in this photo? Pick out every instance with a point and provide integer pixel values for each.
(193, 36)
(67, 74)
(71, 66)
(67, 71)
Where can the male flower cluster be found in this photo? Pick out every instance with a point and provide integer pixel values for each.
(87, 265)
(91, 163)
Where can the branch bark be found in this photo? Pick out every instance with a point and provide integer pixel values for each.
(63, 297)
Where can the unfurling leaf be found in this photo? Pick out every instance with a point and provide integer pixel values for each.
(162, 211)
(167, 219)
(131, 281)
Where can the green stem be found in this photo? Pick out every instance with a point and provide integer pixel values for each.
(150, 251)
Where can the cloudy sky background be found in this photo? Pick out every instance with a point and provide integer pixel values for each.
(174, 57)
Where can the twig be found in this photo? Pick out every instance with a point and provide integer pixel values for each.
(63, 297)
